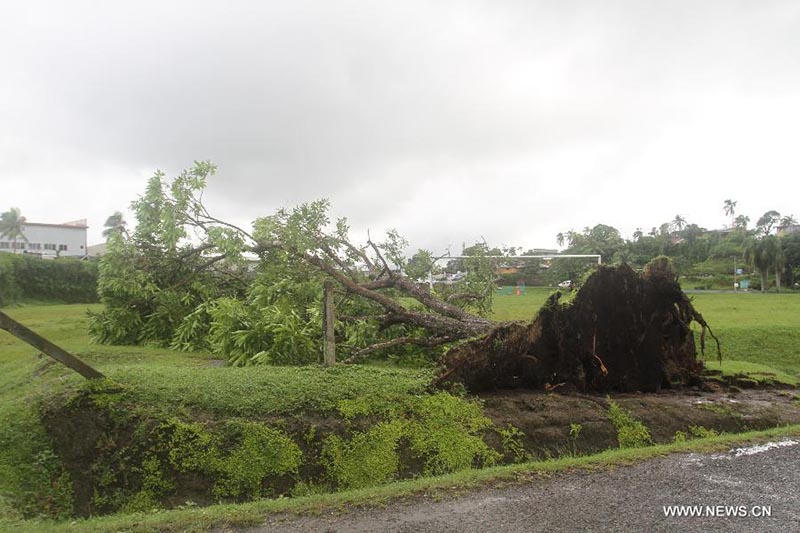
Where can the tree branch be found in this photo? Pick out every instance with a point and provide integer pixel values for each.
(398, 341)
(380, 257)
(446, 325)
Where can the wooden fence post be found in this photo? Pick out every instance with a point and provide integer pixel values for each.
(45, 346)
(328, 318)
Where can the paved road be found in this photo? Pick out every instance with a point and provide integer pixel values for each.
(630, 498)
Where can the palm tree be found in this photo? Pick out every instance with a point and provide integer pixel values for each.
(780, 264)
(730, 209)
(679, 223)
(115, 224)
(560, 239)
(11, 223)
(765, 254)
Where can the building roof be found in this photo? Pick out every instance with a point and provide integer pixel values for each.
(788, 228)
(76, 224)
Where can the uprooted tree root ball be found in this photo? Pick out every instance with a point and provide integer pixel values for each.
(622, 332)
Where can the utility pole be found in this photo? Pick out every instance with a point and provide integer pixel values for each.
(45, 346)
(328, 319)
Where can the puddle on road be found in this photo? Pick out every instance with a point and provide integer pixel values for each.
(698, 460)
(761, 448)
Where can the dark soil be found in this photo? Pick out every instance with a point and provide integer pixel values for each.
(545, 418)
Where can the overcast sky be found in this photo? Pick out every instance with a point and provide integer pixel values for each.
(449, 121)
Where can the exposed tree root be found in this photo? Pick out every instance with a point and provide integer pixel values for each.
(622, 332)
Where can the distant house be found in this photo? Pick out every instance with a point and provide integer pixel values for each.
(724, 232)
(49, 240)
(507, 269)
(788, 229)
(542, 251)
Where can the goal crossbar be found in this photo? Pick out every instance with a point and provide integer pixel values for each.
(511, 257)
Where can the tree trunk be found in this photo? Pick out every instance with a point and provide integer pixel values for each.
(764, 280)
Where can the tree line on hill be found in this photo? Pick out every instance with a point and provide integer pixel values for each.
(698, 252)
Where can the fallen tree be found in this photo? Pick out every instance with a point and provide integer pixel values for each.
(622, 332)
(182, 279)
(186, 279)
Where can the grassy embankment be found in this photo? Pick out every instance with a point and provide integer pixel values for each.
(310, 411)
(254, 513)
(761, 330)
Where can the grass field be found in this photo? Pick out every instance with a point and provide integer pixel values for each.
(523, 307)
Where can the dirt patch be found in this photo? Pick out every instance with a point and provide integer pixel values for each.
(546, 418)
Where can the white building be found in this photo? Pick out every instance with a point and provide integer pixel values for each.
(50, 240)
(788, 229)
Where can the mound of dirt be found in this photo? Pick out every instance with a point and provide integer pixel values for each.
(622, 332)
(545, 419)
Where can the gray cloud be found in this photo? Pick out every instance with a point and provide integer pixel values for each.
(450, 121)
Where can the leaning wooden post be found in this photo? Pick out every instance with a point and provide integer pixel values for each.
(45, 346)
(328, 318)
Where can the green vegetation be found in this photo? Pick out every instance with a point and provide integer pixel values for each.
(238, 433)
(631, 433)
(700, 432)
(208, 293)
(208, 421)
(509, 306)
(443, 431)
(25, 278)
(756, 328)
(29, 473)
(370, 458)
(253, 513)
(231, 391)
(147, 454)
(11, 223)
(574, 433)
(704, 258)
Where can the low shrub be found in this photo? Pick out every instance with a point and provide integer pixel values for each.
(631, 433)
